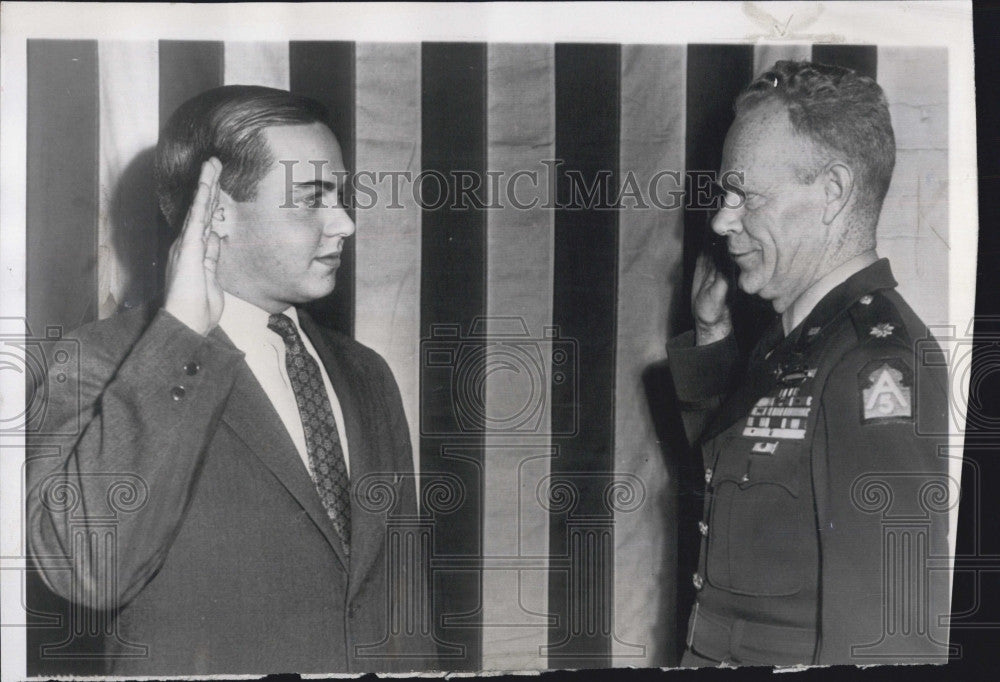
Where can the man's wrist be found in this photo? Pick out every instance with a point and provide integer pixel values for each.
(181, 317)
(706, 334)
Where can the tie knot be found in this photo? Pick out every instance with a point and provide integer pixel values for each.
(282, 325)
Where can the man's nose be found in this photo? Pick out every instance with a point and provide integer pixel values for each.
(339, 223)
(729, 218)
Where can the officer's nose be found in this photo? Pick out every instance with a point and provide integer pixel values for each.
(729, 218)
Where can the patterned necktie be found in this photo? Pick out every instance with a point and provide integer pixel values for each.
(326, 456)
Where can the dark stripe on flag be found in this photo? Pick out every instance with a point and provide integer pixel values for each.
(452, 299)
(715, 76)
(587, 81)
(187, 67)
(861, 58)
(61, 277)
(324, 71)
(62, 139)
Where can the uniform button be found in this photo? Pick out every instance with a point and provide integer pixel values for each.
(708, 475)
(703, 528)
(191, 368)
(745, 478)
(177, 392)
(352, 611)
(698, 581)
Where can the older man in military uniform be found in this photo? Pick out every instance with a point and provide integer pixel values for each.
(827, 418)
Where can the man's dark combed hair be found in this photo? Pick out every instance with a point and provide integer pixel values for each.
(844, 113)
(227, 123)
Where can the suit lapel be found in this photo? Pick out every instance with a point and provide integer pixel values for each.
(361, 411)
(253, 419)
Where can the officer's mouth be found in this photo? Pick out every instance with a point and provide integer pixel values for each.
(737, 255)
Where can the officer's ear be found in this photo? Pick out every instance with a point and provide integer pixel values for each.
(838, 185)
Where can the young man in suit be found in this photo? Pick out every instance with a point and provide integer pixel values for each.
(225, 494)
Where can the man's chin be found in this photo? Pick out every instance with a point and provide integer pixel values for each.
(318, 292)
(748, 285)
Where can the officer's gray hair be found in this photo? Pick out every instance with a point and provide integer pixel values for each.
(844, 113)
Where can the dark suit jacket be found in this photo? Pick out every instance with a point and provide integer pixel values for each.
(181, 505)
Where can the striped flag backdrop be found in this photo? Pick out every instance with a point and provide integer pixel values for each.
(565, 546)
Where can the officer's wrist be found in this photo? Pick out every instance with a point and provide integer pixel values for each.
(706, 334)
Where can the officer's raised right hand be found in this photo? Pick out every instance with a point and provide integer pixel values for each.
(193, 293)
(712, 321)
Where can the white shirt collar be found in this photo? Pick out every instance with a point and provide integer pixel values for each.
(243, 322)
(800, 308)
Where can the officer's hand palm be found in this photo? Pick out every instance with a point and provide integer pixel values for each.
(193, 293)
(712, 321)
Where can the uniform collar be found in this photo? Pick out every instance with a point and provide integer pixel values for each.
(868, 280)
(806, 302)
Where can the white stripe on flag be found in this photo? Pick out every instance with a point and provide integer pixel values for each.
(913, 228)
(650, 248)
(520, 134)
(387, 278)
(256, 63)
(129, 82)
(764, 56)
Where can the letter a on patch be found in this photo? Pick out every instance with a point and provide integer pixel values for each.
(886, 391)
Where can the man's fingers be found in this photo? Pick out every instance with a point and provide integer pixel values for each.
(212, 198)
(717, 290)
(704, 272)
(211, 251)
(201, 204)
(699, 271)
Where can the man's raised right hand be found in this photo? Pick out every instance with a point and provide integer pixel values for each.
(193, 293)
(712, 320)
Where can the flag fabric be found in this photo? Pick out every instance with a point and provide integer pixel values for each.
(521, 326)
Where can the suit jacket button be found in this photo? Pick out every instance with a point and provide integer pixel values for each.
(703, 528)
(698, 581)
(177, 392)
(191, 368)
(708, 475)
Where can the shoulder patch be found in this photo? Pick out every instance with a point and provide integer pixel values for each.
(885, 391)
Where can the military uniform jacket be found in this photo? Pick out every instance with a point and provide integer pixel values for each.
(824, 533)
(167, 491)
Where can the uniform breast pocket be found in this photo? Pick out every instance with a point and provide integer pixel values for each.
(759, 524)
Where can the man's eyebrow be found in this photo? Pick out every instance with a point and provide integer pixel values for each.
(324, 185)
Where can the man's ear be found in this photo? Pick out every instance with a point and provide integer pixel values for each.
(839, 185)
(224, 215)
